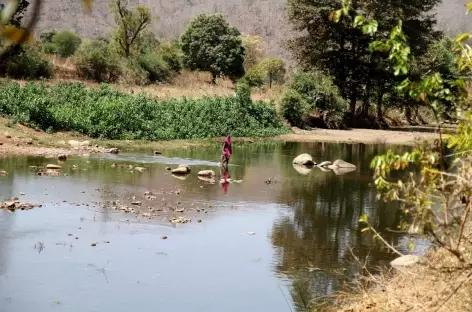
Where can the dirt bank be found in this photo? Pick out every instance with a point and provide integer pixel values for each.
(20, 140)
(366, 136)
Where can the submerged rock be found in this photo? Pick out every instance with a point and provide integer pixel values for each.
(157, 153)
(341, 171)
(343, 164)
(62, 157)
(53, 167)
(406, 261)
(304, 160)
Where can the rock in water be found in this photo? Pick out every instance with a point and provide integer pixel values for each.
(343, 164)
(206, 173)
(113, 150)
(405, 261)
(304, 160)
(53, 167)
(182, 169)
(325, 164)
(62, 157)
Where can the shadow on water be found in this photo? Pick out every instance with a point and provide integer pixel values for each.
(306, 227)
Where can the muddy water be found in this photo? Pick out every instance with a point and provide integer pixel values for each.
(260, 246)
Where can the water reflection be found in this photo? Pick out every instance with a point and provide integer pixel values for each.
(313, 233)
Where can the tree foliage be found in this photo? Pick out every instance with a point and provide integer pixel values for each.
(130, 24)
(253, 51)
(66, 43)
(343, 51)
(96, 61)
(210, 44)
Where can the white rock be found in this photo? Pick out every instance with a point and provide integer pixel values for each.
(343, 164)
(206, 173)
(405, 261)
(52, 166)
(304, 160)
(325, 164)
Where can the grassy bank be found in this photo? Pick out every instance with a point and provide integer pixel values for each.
(109, 114)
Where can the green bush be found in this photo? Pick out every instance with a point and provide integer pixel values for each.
(157, 69)
(95, 60)
(254, 77)
(319, 95)
(46, 36)
(293, 107)
(172, 55)
(48, 48)
(131, 72)
(26, 63)
(66, 43)
(107, 113)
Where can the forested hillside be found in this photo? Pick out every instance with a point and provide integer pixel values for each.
(265, 18)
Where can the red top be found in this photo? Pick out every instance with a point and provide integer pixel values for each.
(227, 150)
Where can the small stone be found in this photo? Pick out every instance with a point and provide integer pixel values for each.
(62, 157)
(168, 168)
(7, 135)
(136, 203)
(69, 234)
(93, 244)
(53, 167)
(113, 150)
(157, 153)
(251, 233)
(22, 194)
(164, 237)
(199, 221)
(14, 198)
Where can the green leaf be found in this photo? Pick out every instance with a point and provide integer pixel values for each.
(359, 20)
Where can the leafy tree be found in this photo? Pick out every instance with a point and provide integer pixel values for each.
(329, 43)
(66, 43)
(274, 69)
(209, 43)
(253, 51)
(130, 24)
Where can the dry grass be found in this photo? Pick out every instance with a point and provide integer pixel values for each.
(441, 284)
(187, 84)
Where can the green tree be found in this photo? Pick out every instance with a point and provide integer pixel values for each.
(66, 43)
(209, 43)
(274, 70)
(253, 51)
(130, 24)
(343, 51)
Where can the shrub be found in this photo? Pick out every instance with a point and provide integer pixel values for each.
(172, 55)
(27, 63)
(293, 107)
(66, 43)
(320, 95)
(107, 113)
(47, 48)
(95, 61)
(254, 77)
(46, 36)
(131, 72)
(157, 70)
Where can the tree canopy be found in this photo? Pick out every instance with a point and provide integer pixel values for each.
(209, 43)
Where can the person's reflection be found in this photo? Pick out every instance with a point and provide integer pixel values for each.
(225, 179)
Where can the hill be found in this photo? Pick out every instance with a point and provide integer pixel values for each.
(265, 18)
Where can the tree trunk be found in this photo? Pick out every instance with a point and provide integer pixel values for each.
(365, 102)
(213, 78)
(379, 101)
(353, 104)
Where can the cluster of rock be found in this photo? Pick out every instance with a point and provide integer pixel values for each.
(16, 205)
(304, 164)
(87, 146)
(204, 175)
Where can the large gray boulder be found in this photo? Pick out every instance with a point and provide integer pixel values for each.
(304, 160)
(343, 164)
(406, 261)
(182, 169)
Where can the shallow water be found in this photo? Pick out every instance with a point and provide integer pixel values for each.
(306, 232)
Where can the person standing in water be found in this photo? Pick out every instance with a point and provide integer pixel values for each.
(225, 156)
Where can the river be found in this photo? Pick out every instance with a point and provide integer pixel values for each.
(275, 242)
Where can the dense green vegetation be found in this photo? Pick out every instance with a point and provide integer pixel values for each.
(210, 44)
(106, 113)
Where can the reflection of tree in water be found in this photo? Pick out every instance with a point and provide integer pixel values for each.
(313, 243)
